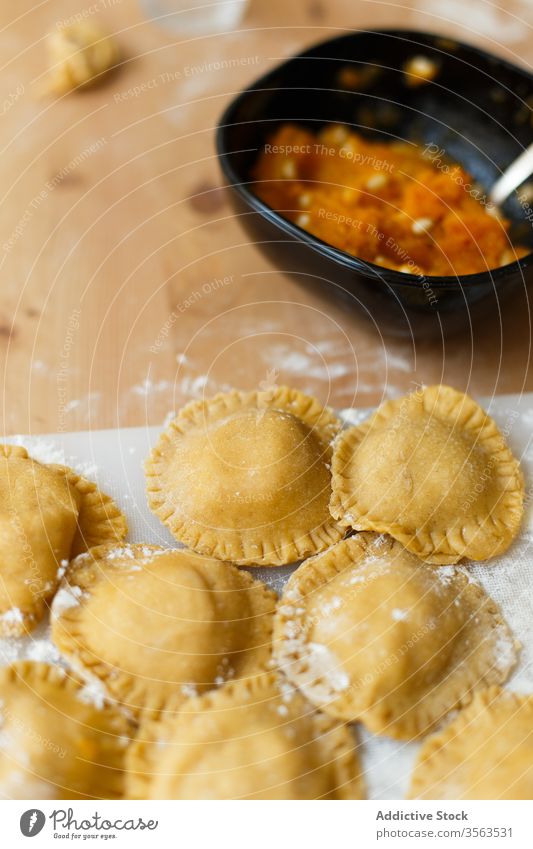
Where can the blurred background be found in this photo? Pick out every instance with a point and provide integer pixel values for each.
(127, 285)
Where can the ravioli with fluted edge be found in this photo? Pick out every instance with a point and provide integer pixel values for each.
(56, 742)
(245, 476)
(48, 513)
(433, 471)
(486, 752)
(254, 739)
(369, 632)
(157, 625)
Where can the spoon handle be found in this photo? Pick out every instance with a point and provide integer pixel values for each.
(518, 171)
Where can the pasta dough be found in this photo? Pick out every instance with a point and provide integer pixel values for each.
(255, 739)
(246, 477)
(433, 471)
(486, 752)
(156, 625)
(55, 742)
(369, 632)
(48, 513)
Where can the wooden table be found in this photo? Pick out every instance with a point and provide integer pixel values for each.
(127, 287)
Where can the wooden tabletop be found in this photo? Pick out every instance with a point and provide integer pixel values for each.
(127, 286)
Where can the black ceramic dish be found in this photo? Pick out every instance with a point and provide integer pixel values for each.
(478, 109)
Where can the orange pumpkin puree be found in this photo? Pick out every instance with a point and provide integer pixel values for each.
(389, 204)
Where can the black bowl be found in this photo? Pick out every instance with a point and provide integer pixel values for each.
(477, 110)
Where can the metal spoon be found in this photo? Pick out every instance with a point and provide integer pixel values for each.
(513, 176)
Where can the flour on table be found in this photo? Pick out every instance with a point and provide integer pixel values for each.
(362, 371)
(88, 401)
(48, 452)
(37, 646)
(66, 598)
(41, 450)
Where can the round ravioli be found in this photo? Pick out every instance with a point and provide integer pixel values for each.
(38, 521)
(246, 477)
(157, 625)
(485, 753)
(255, 739)
(48, 514)
(433, 471)
(369, 632)
(55, 741)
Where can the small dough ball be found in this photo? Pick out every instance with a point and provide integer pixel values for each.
(79, 55)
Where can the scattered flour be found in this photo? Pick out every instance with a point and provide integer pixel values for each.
(324, 674)
(40, 366)
(352, 370)
(350, 416)
(196, 387)
(122, 553)
(332, 605)
(43, 650)
(313, 666)
(12, 617)
(492, 21)
(93, 693)
(125, 553)
(46, 451)
(37, 646)
(88, 402)
(41, 449)
(147, 387)
(504, 650)
(65, 598)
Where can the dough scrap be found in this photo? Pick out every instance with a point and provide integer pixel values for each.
(79, 56)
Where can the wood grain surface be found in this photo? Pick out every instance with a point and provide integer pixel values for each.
(128, 287)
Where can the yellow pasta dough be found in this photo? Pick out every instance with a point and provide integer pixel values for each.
(255, 739)
(55, 743)
(48, 513)
(369, 632)
(486, 752)
(433, 471)
(156, 625)
(245, 477)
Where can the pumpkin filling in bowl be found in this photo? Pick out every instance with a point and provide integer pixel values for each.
(393, 204)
